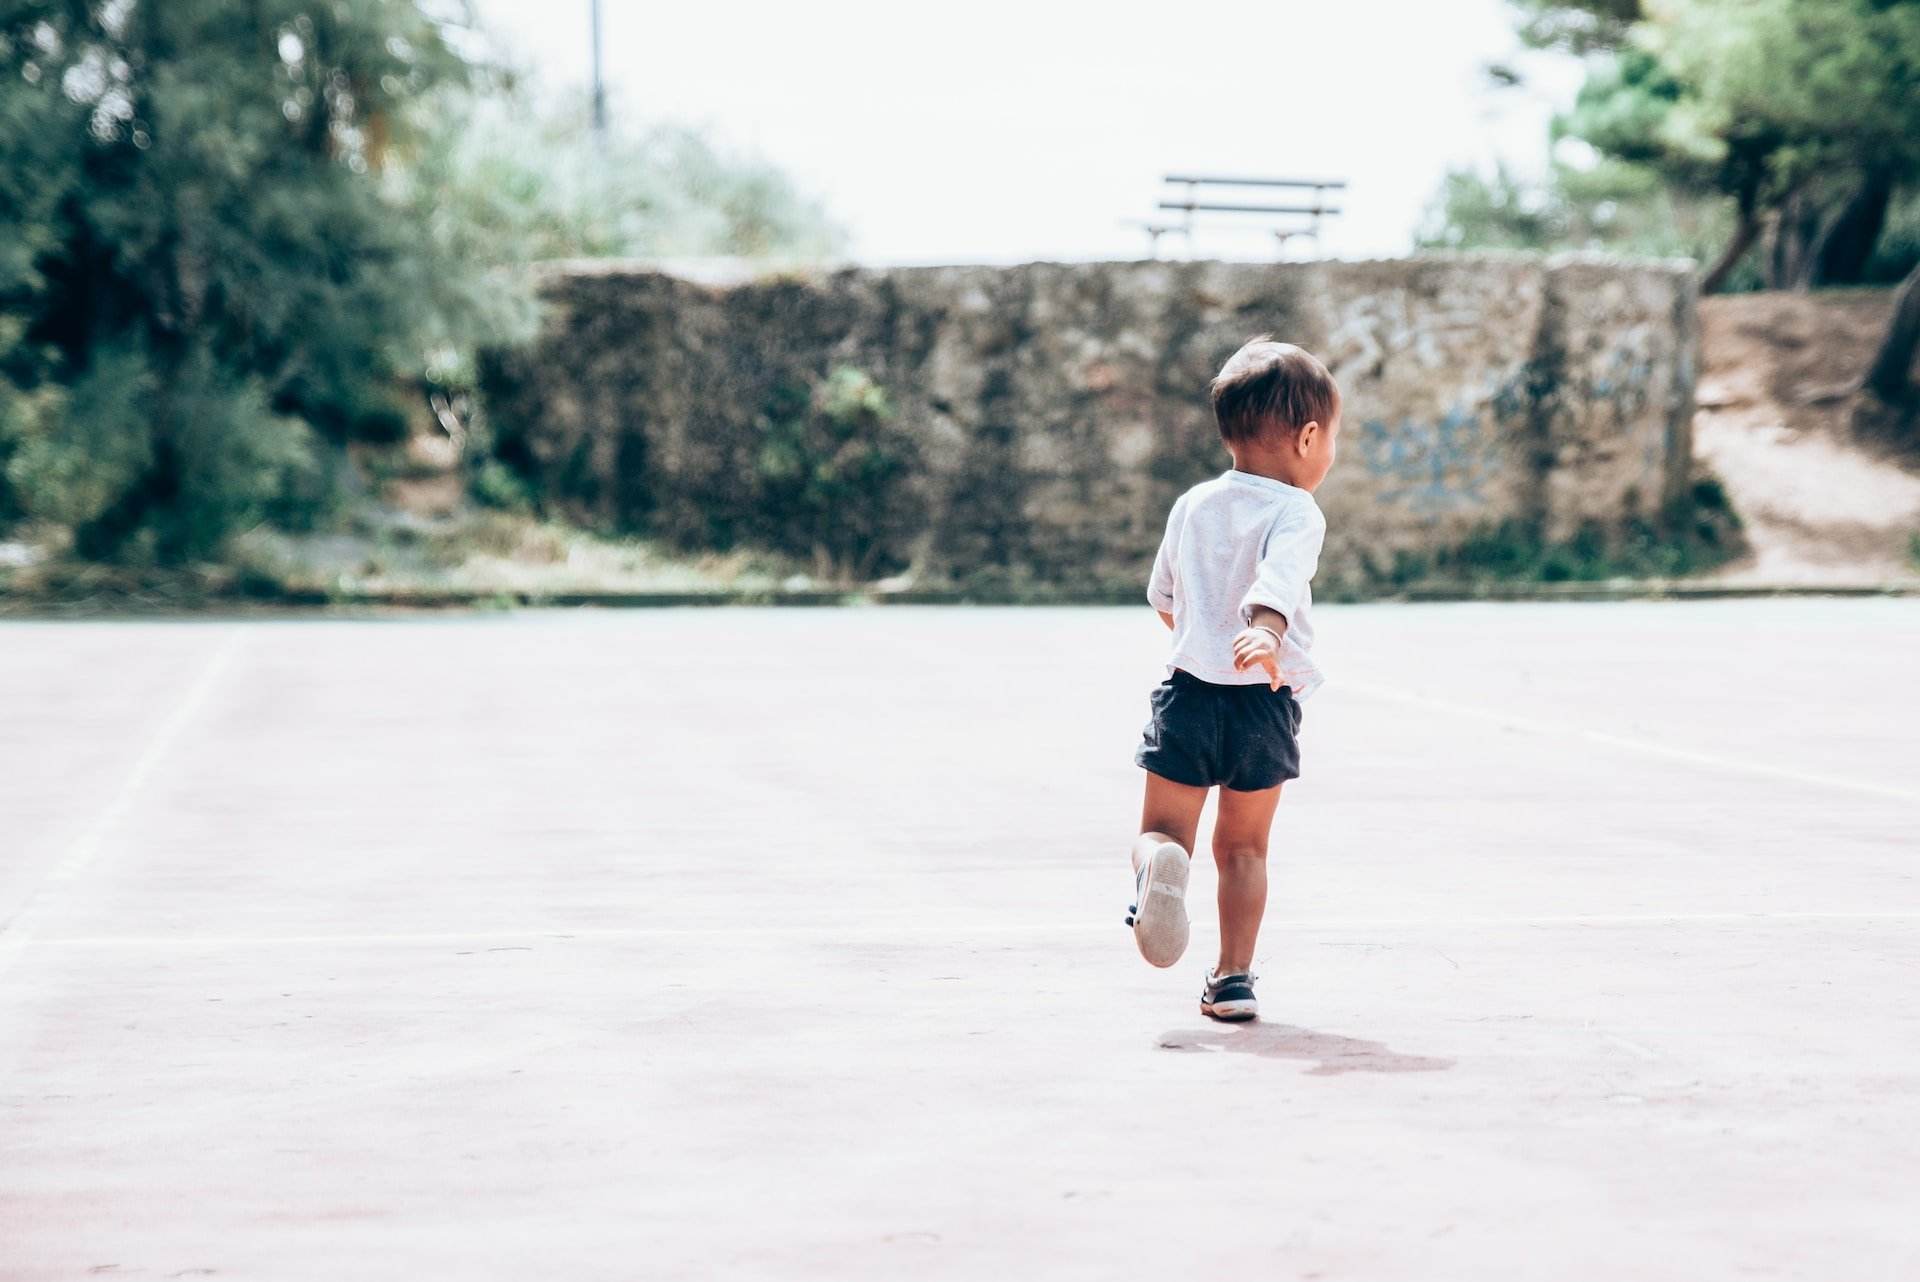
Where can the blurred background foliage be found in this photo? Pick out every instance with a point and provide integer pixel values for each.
(237, 238)
(509, 180)
(242, 239)
(1776, 141)
(830, 476)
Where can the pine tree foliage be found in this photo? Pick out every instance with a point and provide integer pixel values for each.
(1789, 123)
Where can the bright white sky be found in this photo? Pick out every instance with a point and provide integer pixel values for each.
(998, 131)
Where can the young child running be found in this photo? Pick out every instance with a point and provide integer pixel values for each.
(1231, 581)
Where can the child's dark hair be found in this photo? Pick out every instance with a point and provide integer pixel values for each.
(1271, 384)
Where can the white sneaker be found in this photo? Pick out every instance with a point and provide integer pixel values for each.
(1158, 913)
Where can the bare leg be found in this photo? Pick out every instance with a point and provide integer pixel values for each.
(1240, 833)
(1162, 857)
(1171, 812)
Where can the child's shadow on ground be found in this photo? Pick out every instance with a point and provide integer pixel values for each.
(1334, 1053)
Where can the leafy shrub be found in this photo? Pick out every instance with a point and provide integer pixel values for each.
(1700, 531)
(830, 471)
(504, 178)
(159, 470)
(84, 448)
(1898, 249)
(1613, 206)
(495, 485)
(22, 415)
(235, 459)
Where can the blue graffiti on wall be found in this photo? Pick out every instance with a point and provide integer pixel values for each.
(1432, 466)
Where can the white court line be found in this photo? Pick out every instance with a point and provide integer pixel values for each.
(962, 930)
(1532, 726)
(20, 929)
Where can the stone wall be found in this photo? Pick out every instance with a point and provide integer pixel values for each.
(1054, 411)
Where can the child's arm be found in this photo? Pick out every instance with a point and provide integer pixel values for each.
(1287, 562)
(1258, 645)
(1160, 583)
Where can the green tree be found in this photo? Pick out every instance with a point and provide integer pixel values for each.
(1582, 27)
(513, 181)
(1473, 211)
(1814, 104)
(201, 266)
(1793, 122)
(1800, 118)
(1611, 206)
(1806, 113)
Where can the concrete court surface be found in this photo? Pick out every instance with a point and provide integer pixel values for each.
(787, 944)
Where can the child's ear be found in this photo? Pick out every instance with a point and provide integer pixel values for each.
(1303, 439)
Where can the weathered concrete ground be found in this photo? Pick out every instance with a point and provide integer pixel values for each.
(787, 944)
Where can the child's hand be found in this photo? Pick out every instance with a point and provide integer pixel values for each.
(1258, 648)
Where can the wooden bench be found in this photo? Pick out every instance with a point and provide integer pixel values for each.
(1213, 194)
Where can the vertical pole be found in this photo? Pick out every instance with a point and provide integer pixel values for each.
(599, 84)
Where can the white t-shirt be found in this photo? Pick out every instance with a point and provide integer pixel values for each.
(1232, 543)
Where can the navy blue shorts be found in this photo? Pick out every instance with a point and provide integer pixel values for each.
(1240, 737)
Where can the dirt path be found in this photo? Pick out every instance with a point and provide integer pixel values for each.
(1817, 506)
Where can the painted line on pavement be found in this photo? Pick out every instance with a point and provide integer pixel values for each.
(18, 931)
(1531, 725)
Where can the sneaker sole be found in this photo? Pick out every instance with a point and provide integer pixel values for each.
(1231, 1012)
(1160, 924)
